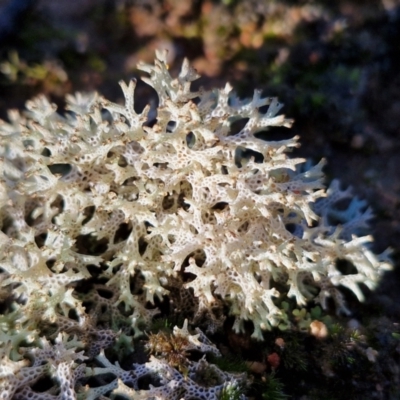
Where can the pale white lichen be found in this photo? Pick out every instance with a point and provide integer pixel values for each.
(59, 361)
(182, 185)
(105, 192)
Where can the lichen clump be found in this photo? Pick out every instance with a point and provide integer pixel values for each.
(106, 192)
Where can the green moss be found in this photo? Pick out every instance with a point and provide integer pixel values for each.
(273, 389)
(230, 363)
(294, 356)
(162, 324)
(231, 391)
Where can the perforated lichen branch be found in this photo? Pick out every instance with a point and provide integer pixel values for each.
(187, 197)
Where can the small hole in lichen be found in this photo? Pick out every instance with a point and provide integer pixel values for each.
(136, 283)
(122, 233)
(61, 169)
(50, 263)
(88, 244)
(190, 140)
(161, 166)
(345, 267)
(129, 181)
(237, 126)
(88, 212)
(142, 245)
(94, 382)
(204, 192)
(94, 270)
(168, 201)
(107, 294)
(57, 203)
(243, 228)
(239, 156)
(219, 206)
(46, 152)
(150, 123)
(247, 154)
(43, 384)
(171, 239)
(171, 126)
(274, 133)
(193, 229)
(40, 240)
(88, 306)
(72, 314)
(291, 227)
(45, 178)
(103, 308)
(122, 162)
(145, 381)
